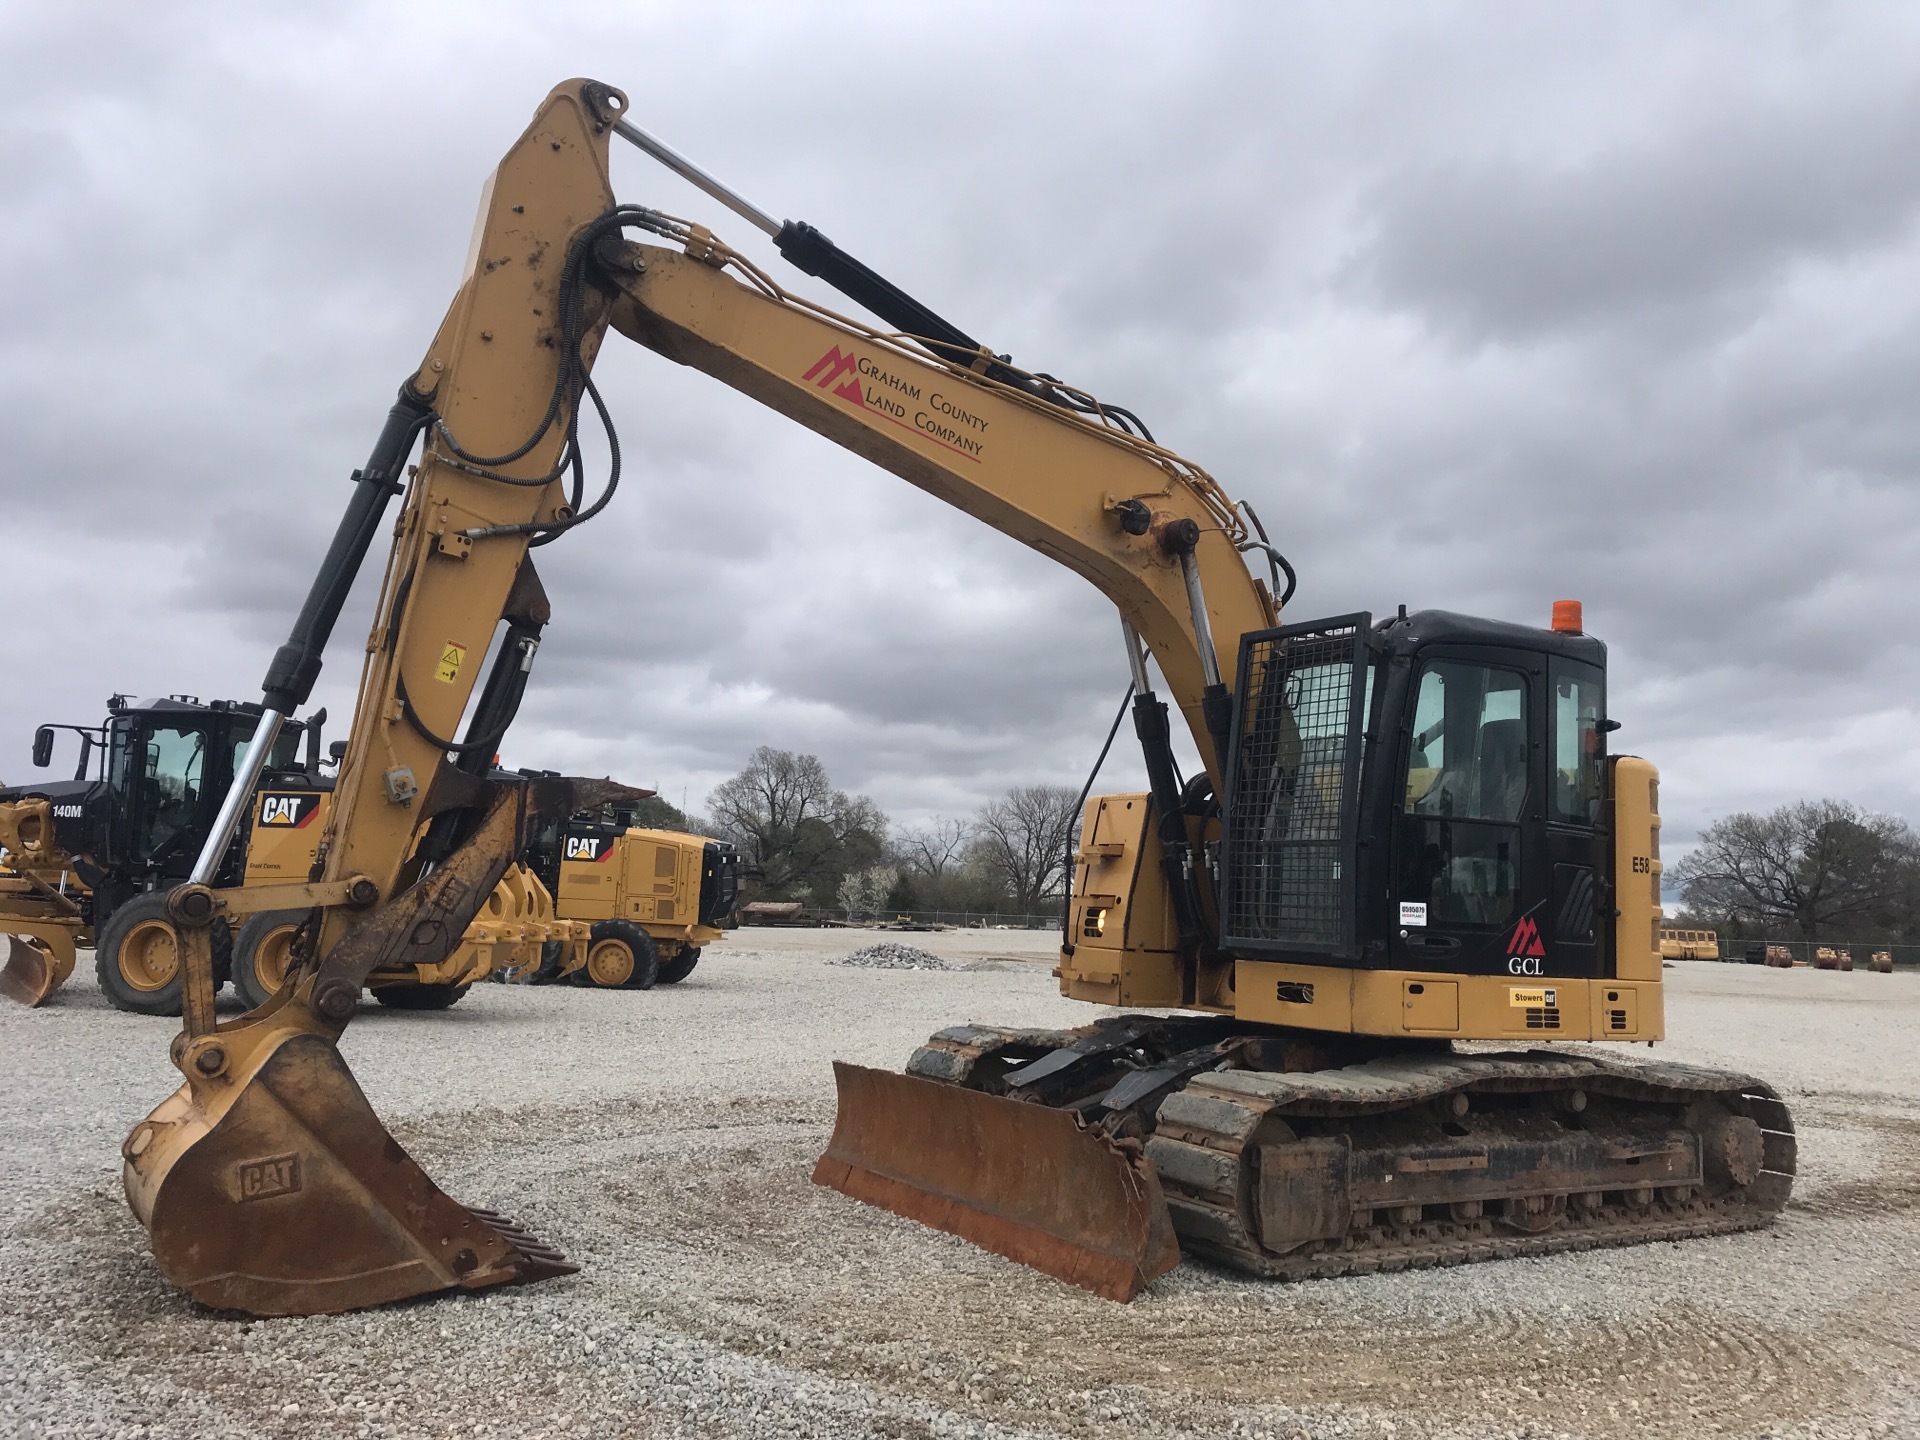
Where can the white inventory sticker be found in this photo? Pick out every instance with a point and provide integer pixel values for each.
(1413, 912)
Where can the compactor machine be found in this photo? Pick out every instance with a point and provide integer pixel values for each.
(1405, 834)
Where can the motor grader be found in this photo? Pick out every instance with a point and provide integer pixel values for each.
(1404, 834)
(87, 860)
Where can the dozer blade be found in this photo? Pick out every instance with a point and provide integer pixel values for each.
(280, 1193)
(1026, 1181)
(32, 972)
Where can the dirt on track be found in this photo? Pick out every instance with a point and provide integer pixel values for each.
(664, 1140)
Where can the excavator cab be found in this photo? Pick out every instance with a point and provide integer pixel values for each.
(1425, 794)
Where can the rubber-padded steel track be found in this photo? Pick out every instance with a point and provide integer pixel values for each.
(1718, 1146)
(1224, 1114)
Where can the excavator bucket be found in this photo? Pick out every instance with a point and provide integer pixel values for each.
(34, 970)
(266, 1182)
(282, 1194)
(1026, 1181)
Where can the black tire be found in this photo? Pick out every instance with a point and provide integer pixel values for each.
(145, 979)
(419, 997)
(257, 972)
(681, 966)
(620, 956)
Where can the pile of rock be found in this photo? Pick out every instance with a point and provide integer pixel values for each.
(889, 956)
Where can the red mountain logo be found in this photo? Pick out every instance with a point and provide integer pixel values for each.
(830, 367)
(1526, 939)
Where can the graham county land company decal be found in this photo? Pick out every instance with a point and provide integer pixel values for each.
(933, 415)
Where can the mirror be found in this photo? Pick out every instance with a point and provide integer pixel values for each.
(43, 747)
(314, 722)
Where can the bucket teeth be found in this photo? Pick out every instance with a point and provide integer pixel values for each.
(540, 1259)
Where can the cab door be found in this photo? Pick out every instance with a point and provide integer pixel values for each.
(1572, 928)
(1471, 877)
(160, 769)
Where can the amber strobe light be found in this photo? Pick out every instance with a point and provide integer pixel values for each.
(1566, 616)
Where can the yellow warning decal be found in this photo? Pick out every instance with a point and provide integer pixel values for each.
(1521, 999)
(451, 656)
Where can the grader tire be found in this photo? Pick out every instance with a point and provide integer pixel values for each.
(262, 952)
(681, 966)
(136, 957)
(620, 956)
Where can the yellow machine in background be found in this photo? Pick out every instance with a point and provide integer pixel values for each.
(1403, 834)
(648, 900)
(634, 907)
(89, 859)
(1689, 944)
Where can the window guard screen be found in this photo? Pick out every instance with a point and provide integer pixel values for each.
(1290, 822)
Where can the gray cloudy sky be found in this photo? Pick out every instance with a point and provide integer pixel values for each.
(1481, 305)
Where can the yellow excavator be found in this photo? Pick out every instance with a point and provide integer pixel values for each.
(1407, 834)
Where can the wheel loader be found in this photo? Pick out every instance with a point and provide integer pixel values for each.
(1405, 833)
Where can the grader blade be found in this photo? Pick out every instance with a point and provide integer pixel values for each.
(33, 971)
(1025, 1181)
(280, 1193)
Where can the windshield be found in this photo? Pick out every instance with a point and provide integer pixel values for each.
(162, 770)
(1465, 790)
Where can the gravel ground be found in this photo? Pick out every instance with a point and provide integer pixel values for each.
(664, 1139)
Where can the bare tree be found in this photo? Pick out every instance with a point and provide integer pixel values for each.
(797, 834)
(1816, 866)
(931, 850)
(1022, 839)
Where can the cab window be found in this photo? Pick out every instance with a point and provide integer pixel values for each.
(1574, 792)
(169, 776)
(1466, 788)
(1469, 756)
(285, 754)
